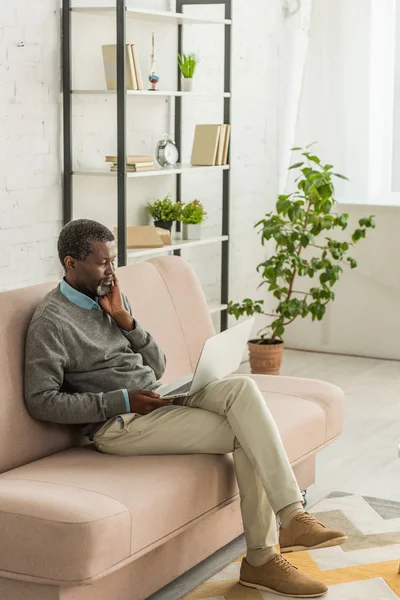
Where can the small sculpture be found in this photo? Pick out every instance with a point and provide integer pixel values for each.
(153, 78)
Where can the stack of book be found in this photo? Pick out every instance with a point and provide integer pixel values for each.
(134, 164)
(134, 80)
(210, 145)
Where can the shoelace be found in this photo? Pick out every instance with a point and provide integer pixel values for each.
(281, 562)
(307, 519)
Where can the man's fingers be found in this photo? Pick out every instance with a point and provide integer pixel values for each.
(149, 393)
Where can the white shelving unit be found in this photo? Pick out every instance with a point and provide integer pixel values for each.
(177, 244)
(170, 170)
(157, 94)
(218, 308)
(152, 15)
(120, 13)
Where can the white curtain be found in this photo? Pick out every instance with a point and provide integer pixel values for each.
(293, 58)
(347, 95)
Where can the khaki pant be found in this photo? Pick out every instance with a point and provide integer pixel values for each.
(227, 416)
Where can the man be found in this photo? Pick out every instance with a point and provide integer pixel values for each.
(89, 362)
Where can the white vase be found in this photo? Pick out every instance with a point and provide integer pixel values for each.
(191, 232)
(187, 84)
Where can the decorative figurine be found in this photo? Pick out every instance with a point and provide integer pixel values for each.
(153, 78)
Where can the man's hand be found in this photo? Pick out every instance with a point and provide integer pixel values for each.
(144, 402)
(113, 304)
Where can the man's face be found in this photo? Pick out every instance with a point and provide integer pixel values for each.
(95, 274)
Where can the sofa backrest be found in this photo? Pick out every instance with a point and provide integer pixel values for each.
(166, 299)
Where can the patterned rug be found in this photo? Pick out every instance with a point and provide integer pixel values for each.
(365, 568)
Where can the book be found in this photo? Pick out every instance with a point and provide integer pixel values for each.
(138, 70)
(221, 146)
(110, 67)
(226, 144)
(142, 236)
(134, 169)
(137, 165)
(132, 69)
(131, 159)
(205, 144)
(165, 236)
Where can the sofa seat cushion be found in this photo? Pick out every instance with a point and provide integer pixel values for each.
(74, 515)
(309, 412)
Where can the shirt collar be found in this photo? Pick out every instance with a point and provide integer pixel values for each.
(78, 298)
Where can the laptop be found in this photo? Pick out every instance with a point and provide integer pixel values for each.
(221, 356)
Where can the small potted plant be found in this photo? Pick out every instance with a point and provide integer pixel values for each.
(164, 212)
(187, 65)
(300, 282)
(192, 216)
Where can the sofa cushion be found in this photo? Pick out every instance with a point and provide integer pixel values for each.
(137, 502)
(97, 510)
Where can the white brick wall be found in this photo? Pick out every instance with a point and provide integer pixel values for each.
(30, 174)
(30, 170)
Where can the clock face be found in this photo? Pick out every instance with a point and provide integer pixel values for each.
(171, 153)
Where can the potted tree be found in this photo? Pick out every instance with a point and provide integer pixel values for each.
(187, 66)
(192, 216)
(164, 212)
(307, 261)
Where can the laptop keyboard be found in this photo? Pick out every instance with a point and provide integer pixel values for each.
(183, 389)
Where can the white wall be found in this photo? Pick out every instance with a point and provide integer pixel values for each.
(30, 215)
(364, 318)
(30, 194)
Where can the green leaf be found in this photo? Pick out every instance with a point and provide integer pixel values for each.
(353, 263)
(314, 158)
(296, 165)
(325, 191)
(304, 240)
(357, 235)
(312, 144)
(340, 176)
(294, 149)
(367, 222)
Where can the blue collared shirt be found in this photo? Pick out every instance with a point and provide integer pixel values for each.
(84, 301)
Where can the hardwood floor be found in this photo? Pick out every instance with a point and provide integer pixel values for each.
(363, 460)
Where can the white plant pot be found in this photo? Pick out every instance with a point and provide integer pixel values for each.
(191, 232)
(187, 84)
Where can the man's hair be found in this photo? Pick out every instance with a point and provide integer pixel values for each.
(77, 237)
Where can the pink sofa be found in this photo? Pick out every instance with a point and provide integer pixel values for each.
(79, 525)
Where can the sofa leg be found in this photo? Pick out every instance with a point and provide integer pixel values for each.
(304, 494)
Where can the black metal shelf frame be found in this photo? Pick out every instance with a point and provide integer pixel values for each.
(121, 129)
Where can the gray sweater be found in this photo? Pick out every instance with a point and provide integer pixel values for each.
(78, 363)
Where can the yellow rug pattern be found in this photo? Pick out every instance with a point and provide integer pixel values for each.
(365, 568)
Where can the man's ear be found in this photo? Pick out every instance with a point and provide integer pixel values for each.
(69, 263)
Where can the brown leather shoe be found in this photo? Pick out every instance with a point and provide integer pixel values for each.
(282, 578)
(306, 533)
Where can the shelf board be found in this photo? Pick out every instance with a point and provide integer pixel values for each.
(159, 93)
(177, 244)
(153, 15)
(176, 170)
(217, 308)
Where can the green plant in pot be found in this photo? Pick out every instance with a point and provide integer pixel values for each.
(164, 212)
(192, 216)
(187, 66)
(307, 260)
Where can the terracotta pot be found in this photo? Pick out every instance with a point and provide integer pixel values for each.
(266, 358)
